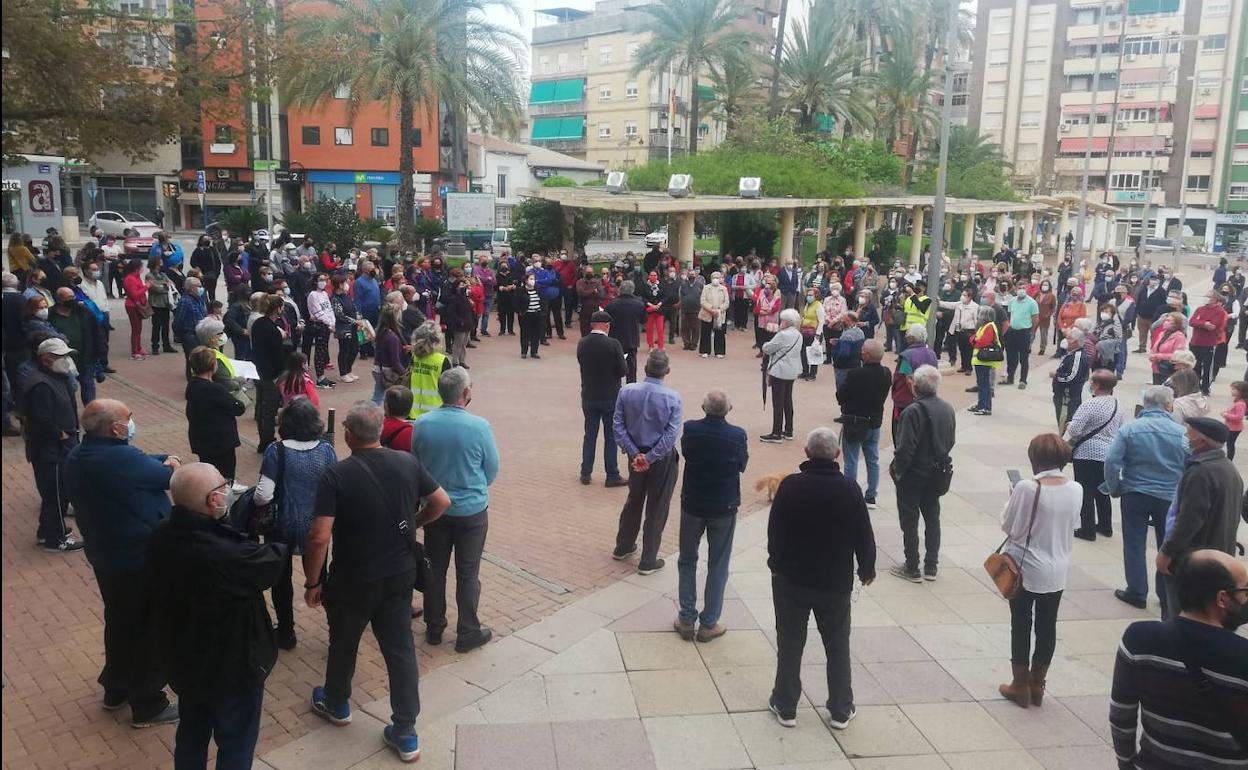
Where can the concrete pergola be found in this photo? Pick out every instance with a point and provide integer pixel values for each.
(1059, 207)
(682, 211)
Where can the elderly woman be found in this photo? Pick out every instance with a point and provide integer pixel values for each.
(915, 354)
(428, 363)
(211, 334)
(190, 310)
(388, 368)
(767, 303)
(1167, 339)
(1090, 432)
(1038, 521)
(1069, 377)
(1071, 310)
(713, 317)
(812, 329)
(1189, 401)
(783, 364)
(212, 413)
(986, 335)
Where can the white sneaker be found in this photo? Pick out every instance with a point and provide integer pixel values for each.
(705, 355)
(836, 724)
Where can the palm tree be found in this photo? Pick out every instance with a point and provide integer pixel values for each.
(690, 36)
(818, 73)
(870, 22)
(777, 53)
(736, 85)
(968, 147)
(932, 19)
(411, 52)
(901, 88)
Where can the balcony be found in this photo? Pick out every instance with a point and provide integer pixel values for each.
(1086, 64)
(564, 145)
(562, 108)
(658, 141)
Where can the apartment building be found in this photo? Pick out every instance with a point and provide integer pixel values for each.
(586, 103)
(1153, 90)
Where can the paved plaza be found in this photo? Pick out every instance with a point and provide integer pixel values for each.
(585, 671)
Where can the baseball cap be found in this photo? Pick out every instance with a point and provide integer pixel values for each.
(54, 347)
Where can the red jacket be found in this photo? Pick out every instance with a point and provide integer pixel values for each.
(1208, 314)
(566, 269)
(396, 434)
(476, 293)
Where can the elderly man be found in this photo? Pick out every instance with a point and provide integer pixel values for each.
(602, 365)
(76, 324)
(1024, 316)
(818, 528)
(862, 398)
(190, 310)
(1183, 681)
(214, 637)
(716, 454)
(921, 469)
(120, 496)
(51, 431)
(627, 313)
(647, 419)
(1207, 504)
(372, 524)
(458, 450)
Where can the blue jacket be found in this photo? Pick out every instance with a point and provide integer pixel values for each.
(1147, 456)
(173, 260)
(716, 454)
(120, 495)
(548, 286)
(789, 284)
(367, 294)
(187, 315)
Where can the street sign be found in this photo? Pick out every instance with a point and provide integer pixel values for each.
(92, 188)
(265, 165)
(45, 168)
(201, 185)
(288, 176)
(443, 189)
(469, 212)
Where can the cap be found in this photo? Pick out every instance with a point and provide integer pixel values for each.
(600, 317)
(54, 347)
(1209, 428)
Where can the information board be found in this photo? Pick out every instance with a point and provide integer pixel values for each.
(469, 212)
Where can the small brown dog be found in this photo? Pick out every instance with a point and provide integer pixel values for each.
(771, 483)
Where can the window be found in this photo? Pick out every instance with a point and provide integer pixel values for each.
(223, 135)
(1037, 53)
(1243, 85)
(311, 135)
(604, 130)
(563, 62)
(762, 18)
(630, 91)
(1214, 43)
(604, 93)
(1201, 153)
(959, 100)
(342, 136)
(993, 120)
(630, 128)
(995, 91)
(342, 92)
(999, 56)
(1147, 47)
(1241, 121)
(1218, 8)
(1030, 119)
(1034, 87)
(633, 48)
(1238, 192)
(961, 81)
(1239, 156)
(500, 186)
(545, 63)
(1085, 17)
(379, 137)
(1000, 24)
(1198, 182)
(1040, 22)
(604, 54)
(1134, 181)
(1029, 151)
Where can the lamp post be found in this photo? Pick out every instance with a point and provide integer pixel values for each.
(938, 208)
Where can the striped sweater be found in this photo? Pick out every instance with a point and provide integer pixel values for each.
(1181, 726)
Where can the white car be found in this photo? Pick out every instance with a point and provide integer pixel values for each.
(658, 237)
(118, 222)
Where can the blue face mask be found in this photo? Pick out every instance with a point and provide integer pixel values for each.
(200, 291)
(130, 430)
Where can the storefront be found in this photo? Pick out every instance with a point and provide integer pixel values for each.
(1231, 235)
(32, 196)
(374, 193)
(225, 188)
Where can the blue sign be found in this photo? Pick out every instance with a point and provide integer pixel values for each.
(201, 181)
(354, 177)
(443, 189)
(45, 168)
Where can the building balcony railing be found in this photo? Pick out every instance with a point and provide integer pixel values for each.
(561, 108)
(563, 145)
(658, 141)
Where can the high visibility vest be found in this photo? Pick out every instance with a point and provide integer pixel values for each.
(424, 383)
(914, 315)
(224, 361)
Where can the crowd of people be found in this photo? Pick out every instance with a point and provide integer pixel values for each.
(155, 527)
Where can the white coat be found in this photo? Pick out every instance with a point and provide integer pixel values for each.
(785, 350)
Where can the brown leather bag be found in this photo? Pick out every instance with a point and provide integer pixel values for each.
(1005, 571)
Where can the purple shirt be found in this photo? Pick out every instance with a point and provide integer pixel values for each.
(647, 414)
(389, 350)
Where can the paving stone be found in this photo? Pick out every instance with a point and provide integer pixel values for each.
(917, 682)
(1048, 726)
(527, 746)
(738, 648)
(616, 600)
(1093, 710)
(751, 585)
(574, 697)
(880, 731)
(959, 727)
(947, 642)
(1072, 676)
(746, 688)
(919, 607)
(1076, 758)
(655, 615)
(867, 691)
(597, 653)
(924, 762)
(675, 693)
(497, 663)
(884, 644)
(441, 693)
(606, 744)
(331, 747)
(992, 760)
(563, 629)
(827, 764)
(768, 743)
(706, 742)
(979, 676)
(657, 651)
(520, 700)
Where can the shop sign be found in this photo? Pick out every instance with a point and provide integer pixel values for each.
(41, 198)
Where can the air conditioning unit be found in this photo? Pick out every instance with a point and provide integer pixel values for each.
(1111, 24)
(617, 182)
(680, 186)
(750, 187)
(1064, 128)
(1129, 94)
(1129, 57)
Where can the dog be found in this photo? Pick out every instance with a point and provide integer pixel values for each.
(771, 483)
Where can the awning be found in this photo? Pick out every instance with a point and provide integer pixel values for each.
(1142, 75)
(1084, 109)
(1200, 145)
(1144, 7)
(219, 198)
(558, 129)
(1139, 143)
(1207, 111)
(557, 91)
(1080, 144)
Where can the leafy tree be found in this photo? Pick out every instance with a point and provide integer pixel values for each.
(242, 220)
(818, 72)
(902, 88)
(372, 229)
(756, 132)
(735, 82)
(537, 226)
(420, 51)
(741, 231)
(968, 147)
(981, 181)
(862, 160)
(558, 181)
(718, 173)
(427, 229)
(691, 36)
(931, 23)
(328, 220)
(885, 238)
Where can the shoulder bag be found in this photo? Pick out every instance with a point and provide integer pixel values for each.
(1079, 441)
(992, 352)
(407, 530)
(1005, 572)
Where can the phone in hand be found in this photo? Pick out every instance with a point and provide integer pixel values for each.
(1014, 477)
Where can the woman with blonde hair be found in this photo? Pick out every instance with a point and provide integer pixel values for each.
(1168, 339)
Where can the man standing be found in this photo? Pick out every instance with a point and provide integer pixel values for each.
(1186, 679)
(590, 293)
(920, 462)
(602, 365)
(458, 450)
(647, 419)
(77, 326)
(214, 636)
(1207, 503)
(50, 432)
(918, 306)
(1150, 303)
(1024, 314)
(690, 304)
(818, 527)
(120, 496)
(862, 398)
(716, 454)
(790, 283)
(373, 570)
(628, 313)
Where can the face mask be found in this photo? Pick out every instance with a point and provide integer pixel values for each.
(810, 297)
(948, 287)
(69, 302)
(200, 291)
(94, 275)
(42, 313)
(530, 284)
(131, 429)
(266, 276)
(716, 281)
(222, 509)
(1020, 293)
(65, 365)
(221, 340)
(1045, 287)
(892, 285)
(1106, 316)
(286, 290)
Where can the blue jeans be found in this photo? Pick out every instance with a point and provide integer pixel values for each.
(1120, 360)
(869, 446)
(234, 722)
(894, 338)
(600, 413)
(719, 533)
(379, 388)
(983, 380)
(485, 315)
(1139, 512)
(86, 383)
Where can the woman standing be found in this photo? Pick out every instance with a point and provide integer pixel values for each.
(212, 414)
(21, 259)
(159, 292)
(1072, 310)
(782, 366)
(238, 321)
(388, 366)
(295, 382)
(207, 260)
(1090, 432)
(289, 475)
(1069, 377)
(346, 323)
(321, 311)
(137, 307)
(589, 297)
(713, 316)
(812, 330)
(985, 371)
(457, 315)
(766, 312)
(506, 286)
(1038, 521)
(963, 326)
(1168, 339)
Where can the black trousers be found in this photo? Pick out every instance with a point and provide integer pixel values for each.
(283, 591)
(53, 500)
(1045, 621)
(233, 722)
(1204, 364)
(794, 605)
(160, 329)
(506, 315)
(712, 333)
(781, 407)
(1097, 509)
(554, 316)
(386, 604)
(741, 312)
(671, 317)
(963, 341)
(320, 338)
(650, 490)
(465, 537)
(268, 401)
(942, 334)
(130, 668)
(225, 461)
(630, 364)
(1017, 352)
(530, 333)
(348, 349)
(915, 498)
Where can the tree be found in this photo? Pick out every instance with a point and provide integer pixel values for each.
(741, 231)
(735, 82)
(901, 87)
(330, 221)
(818, 72)
(242, 220)
(427, 229)
(885, 238)
(862, 160)
(968, 147)
(690, 36)
(416, 52)
(537, 226)
(932, 20)
(756, 132)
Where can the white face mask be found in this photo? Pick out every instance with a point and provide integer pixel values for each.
(65, 365)
(222, 339)
(716, 281)
(320, 286)
(222, 509)
(42, 313)
(1106, 316)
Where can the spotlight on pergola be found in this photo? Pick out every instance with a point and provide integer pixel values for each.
(680, 186)
(617, 182)
(750, 187)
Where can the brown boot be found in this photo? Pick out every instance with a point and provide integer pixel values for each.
(1017, 690)
(1037, 684)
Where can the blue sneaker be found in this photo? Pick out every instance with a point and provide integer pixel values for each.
(407, 746)
(338, 715)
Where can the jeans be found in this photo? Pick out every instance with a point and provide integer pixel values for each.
(386, 604)
(1204, 364)
(650, 490)
(1017, 352)
(379, 388)
(465, 537)
(599, 413)
(916, 498)
(719, 533)
(984, 385)
(1097, 512)
(86, 382)
(794, 604)
(894, 340)
(870, 447)
(1139, 512)
(1045, 617)
(130, 668)
(485, 315)
(233, 722)
(1120, 362)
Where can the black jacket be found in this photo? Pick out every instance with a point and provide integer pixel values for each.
(458, 313)
(716, 454)
(268, 348)
(211, 416)
(818, 526)
(628, 313)
(207, 259)
(602, 365)
(864, 392)
(51, 408)
(214, 637)
(12, 304)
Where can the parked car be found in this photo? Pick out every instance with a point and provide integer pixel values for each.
(118, 222)
(136, 244)
(658, 237)
(501, 241)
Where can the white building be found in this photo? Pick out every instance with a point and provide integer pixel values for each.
(505, 168)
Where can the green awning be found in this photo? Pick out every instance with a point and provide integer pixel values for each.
(825, 122)
(705, 93)
(558, 129)
(1144, 7)
(557, 91)
(542, 92)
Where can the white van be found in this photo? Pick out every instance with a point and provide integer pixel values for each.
(500, 241)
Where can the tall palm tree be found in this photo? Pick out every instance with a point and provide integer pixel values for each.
(777, 53)
(870, 22)
(736, 84)
(690, 36)
(931, 20)
(415, 54)
(968, 147)
(818, 73)
(901, 88)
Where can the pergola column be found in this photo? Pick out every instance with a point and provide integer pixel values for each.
(968, 232)
(999, 239)
(1098, 233)
(948, 236)
(569, 221)
(916, 235)
(821, 231)
(684, 244)
(1063, 225)
(878, 222)
(1111, 230)
(860, 233)
(786, 234)
(1029, 231)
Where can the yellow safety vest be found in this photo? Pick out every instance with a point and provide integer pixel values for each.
(424, 383)
(224, 361)
(914, 315)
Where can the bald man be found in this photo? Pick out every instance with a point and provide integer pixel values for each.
(1188, 676)
(76, 324)
(120, 496)
(214, 637)
(862, 396)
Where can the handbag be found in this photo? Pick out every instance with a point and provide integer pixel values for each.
(145, 310)
(408, 532)
(992, 352)
(1005, 571)
(1099, 428)
(252, 519)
